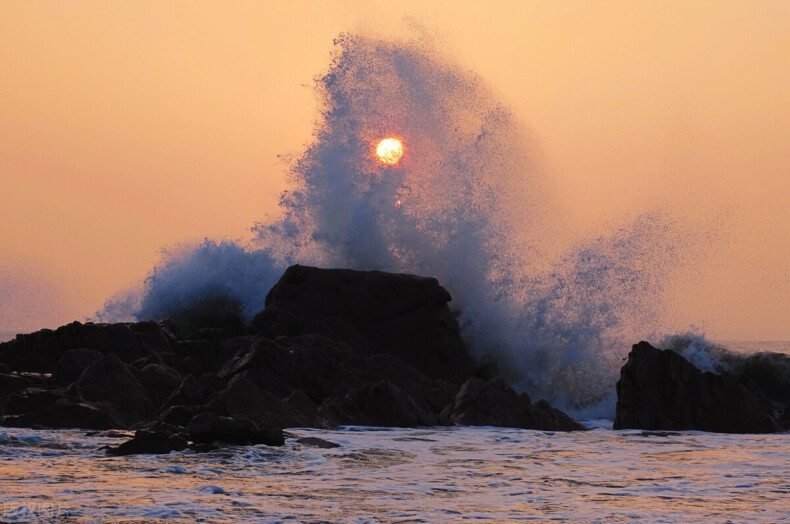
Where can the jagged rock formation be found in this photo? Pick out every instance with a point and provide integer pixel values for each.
(661, 390)
(332, 347)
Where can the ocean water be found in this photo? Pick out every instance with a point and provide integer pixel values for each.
(405, 475)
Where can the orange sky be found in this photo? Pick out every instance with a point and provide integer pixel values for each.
(126, 127)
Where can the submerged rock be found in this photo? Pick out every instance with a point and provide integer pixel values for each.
(151, 442)
(315, 442)
(661, 390)
(208, 428)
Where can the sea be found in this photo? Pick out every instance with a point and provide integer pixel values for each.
(405, 475)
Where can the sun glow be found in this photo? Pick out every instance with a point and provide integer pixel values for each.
(389, 151)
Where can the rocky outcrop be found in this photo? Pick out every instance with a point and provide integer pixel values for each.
(208, 428)
(494, 403)
(333, 347)
(373, 312)
(661, 390)
(40, 351)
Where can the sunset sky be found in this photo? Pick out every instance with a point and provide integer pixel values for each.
(127, 127)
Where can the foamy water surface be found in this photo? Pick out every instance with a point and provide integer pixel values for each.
(404, 475)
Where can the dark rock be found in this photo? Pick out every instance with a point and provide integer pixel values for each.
(150, 442)
(203, 352)
(767, 374)
(661, 390)
(314, 442)
(32, 399)
(72, 363)
(306, 412)
(159, 381)
(110, 433)
(212, 382)
(228, 348)
(108, 380)
(208, 428)
(332, 347)
(319, 366)
(548, 418)
(180, 415)
(373, 312)
(152, 337)
(189, 393)
(34, 352)
(494, 403)
(325, 369)
(432, 396)
(379, 404)
(40, 351)
(243, 399)
(184, 365)
(66, 413)
(785, 416)
(11, 383)
(218, 312)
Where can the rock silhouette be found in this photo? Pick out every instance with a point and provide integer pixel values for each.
(661, 390)
(333, 347)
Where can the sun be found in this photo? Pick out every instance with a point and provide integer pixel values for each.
(389, 151)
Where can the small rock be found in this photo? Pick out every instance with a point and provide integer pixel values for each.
(208, 428)
(315, 442)
(150, 442)
(180, 415)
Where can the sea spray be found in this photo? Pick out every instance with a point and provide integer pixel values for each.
(191, 277)
(466, 205)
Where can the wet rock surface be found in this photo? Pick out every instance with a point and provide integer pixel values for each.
(494, 403)
(660, 390)
(373, 312)
(333, 347)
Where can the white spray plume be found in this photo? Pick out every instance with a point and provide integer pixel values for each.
(465, 205)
